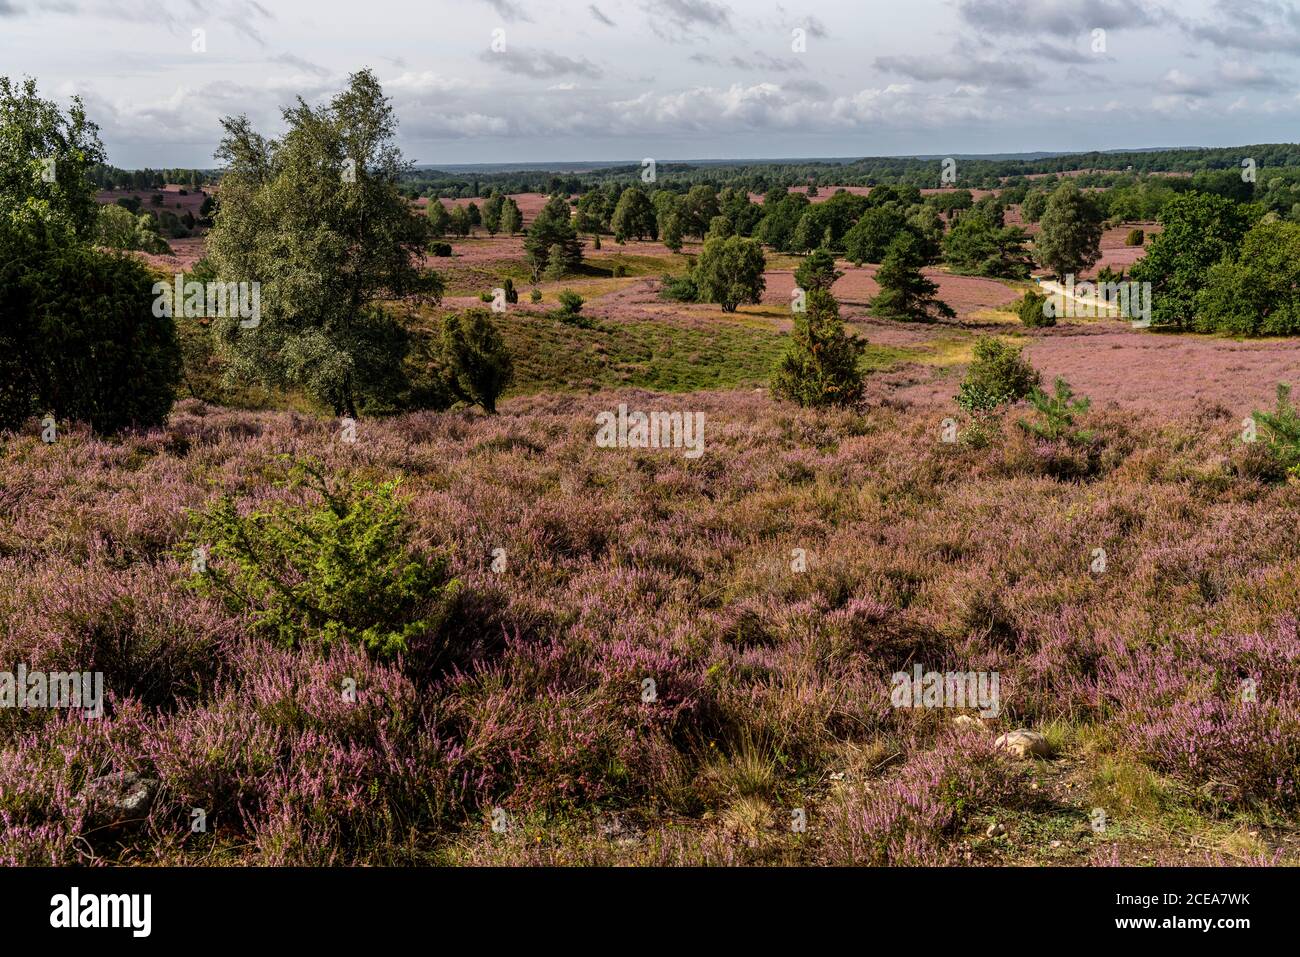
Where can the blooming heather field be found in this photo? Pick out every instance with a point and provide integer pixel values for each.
(772, 685)
(648, 657)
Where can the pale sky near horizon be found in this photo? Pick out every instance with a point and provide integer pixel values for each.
(676, 79)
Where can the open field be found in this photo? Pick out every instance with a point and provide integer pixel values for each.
(772, 685)
(622, 565)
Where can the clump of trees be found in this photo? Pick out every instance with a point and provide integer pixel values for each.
(980, 244)
(551, 244)
(119, 228)
(633, 217)
(1199, 231)
(1255, 289)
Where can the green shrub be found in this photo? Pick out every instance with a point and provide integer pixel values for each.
(485, 297)
(1135, 237)
(476, 363)
(337, 570)
(820, 367)
(512, 294)
(1281, 432)
(570, 302)
(1056, 414)
(440, 249)
(1031, 310)
(997, 376)
(620, 269)
(679, 289)
(570, 310)
(78, 328)
(817, 271)
(535, 295)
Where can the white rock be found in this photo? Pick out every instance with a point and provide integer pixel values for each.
(995, 830)
(1024, 743)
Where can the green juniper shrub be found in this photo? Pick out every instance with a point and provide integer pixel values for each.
(1032, 312)
(1135, 237)
(820, 367)
(336, 569)
(679, 289)
(476, 363)
(570, 302)
(999, 375)
(78, 327)
(570, 310)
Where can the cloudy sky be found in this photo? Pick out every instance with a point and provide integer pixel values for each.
(533, 80)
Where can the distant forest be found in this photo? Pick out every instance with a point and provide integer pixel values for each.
(1109, 169)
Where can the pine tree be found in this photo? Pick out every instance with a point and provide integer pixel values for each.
(905, 293)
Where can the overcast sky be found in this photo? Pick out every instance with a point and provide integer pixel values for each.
(677, 79)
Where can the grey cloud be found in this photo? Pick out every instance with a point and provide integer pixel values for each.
(766, 63)
(1059, 53)
(962, 69)
(288, 59)
(508, 11)
(815, 27)
(1179, 83)
(1266, 26)
(675, 20)
(1236, 73)
(703, 12)
(1062, 16)
(807, 87)
(541, 64)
